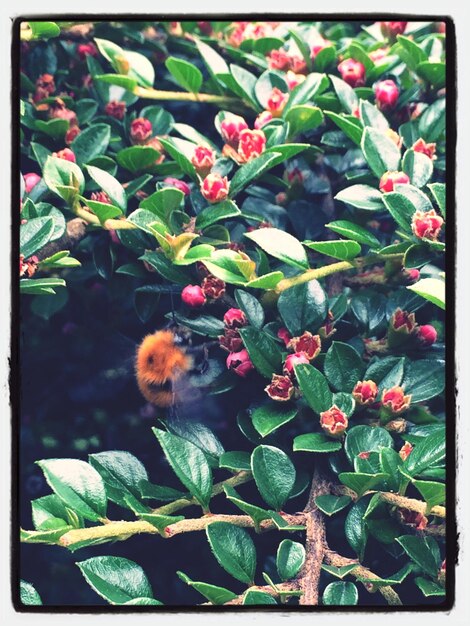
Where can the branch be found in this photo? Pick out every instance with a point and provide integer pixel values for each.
(412, 505)
(332, 558)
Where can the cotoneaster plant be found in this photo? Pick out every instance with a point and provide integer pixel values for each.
(284, 203)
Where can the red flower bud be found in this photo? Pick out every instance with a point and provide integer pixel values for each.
(307, 344)
(116, 109)
(45, 87)
(85, 49)
(30, 180)
(193, 296)
(364, 455)
(297, 65)
(100, 196)
(281, 198)
(65, 154)
(365, 392)
(395, 401)
(293, 79)
(427, 334)
(28, 268)
(263, 118)
(405, 451)
(140, 130)
(334, 422)
(429, 149)
(278, 60)
(284, 334)
(235, 318)
(203, 160)
(178, 184)
(412, 275)
(205, 27)
(377, 55)
(276, 102)
(386, 94)
(215, 187)
(413, 518)
(352, 72)
(213, 288)
(71, 134)
(403, 321)
(294, 359)
(328, 328)
(251, 144)
(392, 29)
(390, 179)
(239, 362)
(230, 129)
(59, 111)
(295, 176)
(318, 48)
(427, 224)
(231, 340)
(280, 388)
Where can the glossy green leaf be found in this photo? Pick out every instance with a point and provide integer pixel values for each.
(256, 513)
(338, 249)
(362, 197)
(361, 482)
(343, 366)
(349, 124)
(314, 387)
(28, 594)
(371, 116)
(340, 594)
(256, 598)
(424, 551)
(109, 185)
(303, 307)
(432, 289)
(315, 442)
(269, 417)
(428, 452)
(251, 170)
(235, 461)
(35, 234)
(355, 528)
(387, 372)
(380, 151)
(216, 213)
(418, 167)
(186, 74)
(355, 232)
(137, 158)
(346, 94)
(303, 118)
(234, 550)
(429, 588)
(63, 178)
(401, 209)
(424, 379)
(330, 505)
(90, 143)
(366, 439)
(263, 350)
(274, 475)
(213, 594)
(434, 493)
(40, 286)
(289, 559)
(438, 191)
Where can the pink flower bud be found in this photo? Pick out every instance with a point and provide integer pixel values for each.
(85, 49)
(413, 518)
(319, 47)
(239, 362)
(390, 179)
(278, 60)
(205, 27)
(251, 144)
(215, 187)
(116, 109)
(427, 334)
(235, 318)
(100, 196)
(294, 359)
(280, 388)
(392, 29)
(263, 118)
(295, 176)
(412, 275)
(405, 451)
(293, 79)
(213, 288)
(231, 127)
(307, 344)
(395, 401)
(203, 159)
(71, 134)
(352, 72)
(59, 111)
(334, 422)
(231, 340)
(193, 296)
(65, 154)
(276, 102)
(178, 184)
(140, 130)
(284, 334)
(30, 180)
(365, 392)
(429, 149)
(281, 198)
(403, 321)
(364, 455)
(427, 224)
(46, 82)
(386, 94)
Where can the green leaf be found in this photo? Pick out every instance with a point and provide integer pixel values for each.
(235, 461)
(243, 82)
(189, 464)
(340, 594)
(122, 473)
(263, 350)
(280, 245)
(165, 268)
(438, 191)
(314, 387)
(400, 208)
(424, 551)
(163, 202)
(205, 325)
(429, 588)
(418, 167)
(362, 197)
(215, 595)
(432, 122)
(182, 152)
(142, 602)
(424, 379)
(380, 151)
(253, 169)
(306, 90)
(267, 281)
(43, 536)
(303, 118)
(120, 80)
(271, 416)
(47, 307)
(345, 402)
(215, 63)
(434, 493)
(366, 439)
(161, 521)
(35, 234)
(387, 372)
(44, 30)
(109, 185)
(40, 286)
(78, 485)
(28, 594)
(256, 598)
(343, 366)
(432, 289)
(355, 528)
(339, 572)
(116, 579)
(303, 307)
(256, 513)
(63, 178)
(315, 442)
(371, 116)
(55, 129)
(361, 482)
(103, 210)
(429, 451)
(338, 249)
(390, 462)
(216, 213)
(251, 307)
(186, 74)
(289, 559)
(90, 143)
(49, 512)
(137, 158)
(349, 124)
(274, 475)
(234, 550)
(355, 232)
(330, 505)
(409, 52)
(434, 73)
(346, 94)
